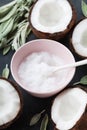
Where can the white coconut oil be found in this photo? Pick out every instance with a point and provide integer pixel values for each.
(35, 72)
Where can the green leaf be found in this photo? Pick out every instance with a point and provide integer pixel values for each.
(6, 50)
(10, 14)
(44, 123)
(5, 72)
(3, 42)
(35, 118)
(84, 8)
(82, 81)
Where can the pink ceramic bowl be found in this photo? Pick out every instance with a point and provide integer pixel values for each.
(40, 45)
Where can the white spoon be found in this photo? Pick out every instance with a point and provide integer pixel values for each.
(79, 63)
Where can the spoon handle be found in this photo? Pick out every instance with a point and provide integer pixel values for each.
(79, 63)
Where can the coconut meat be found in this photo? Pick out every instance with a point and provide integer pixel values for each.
(9, 102)
(51, 15)
(68, 107)
(79, 38)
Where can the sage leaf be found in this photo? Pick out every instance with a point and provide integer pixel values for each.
(44, 123)
(84, 8)
(9, 5)
(10, 14)
(82, 81)
(5, 25)
(5, 72)
(8, 29)
(36, 118)
(6, 50)
(23, 34)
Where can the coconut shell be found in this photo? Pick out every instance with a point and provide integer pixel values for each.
(54, 36)
(82, 122)
(21, 105)
(71, 43)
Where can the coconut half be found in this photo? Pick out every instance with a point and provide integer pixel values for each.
(79, 38)
(68, 107)
(10, 103)
(52, 19)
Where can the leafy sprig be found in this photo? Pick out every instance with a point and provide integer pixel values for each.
(37, 117)
(12, 15)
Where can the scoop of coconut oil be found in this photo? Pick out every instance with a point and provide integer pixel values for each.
(34, 72)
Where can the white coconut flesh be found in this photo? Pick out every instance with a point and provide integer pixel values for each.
(9, 102)
(68, 107)
(51, 15)
(79, 38)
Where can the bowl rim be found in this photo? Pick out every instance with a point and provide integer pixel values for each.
(56, 90)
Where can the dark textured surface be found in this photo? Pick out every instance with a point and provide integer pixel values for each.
(33, 105)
